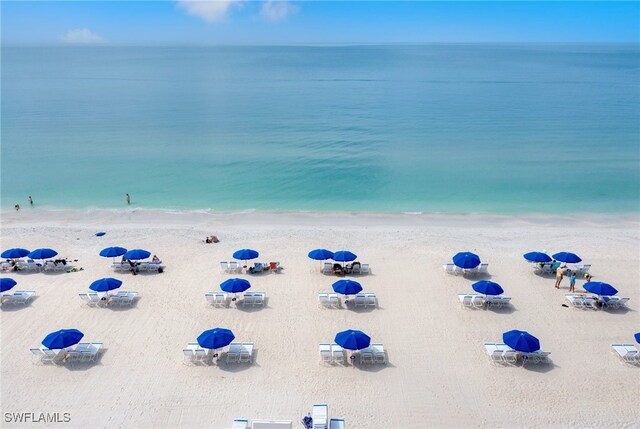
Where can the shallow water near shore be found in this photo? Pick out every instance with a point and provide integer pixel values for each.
(505, 129)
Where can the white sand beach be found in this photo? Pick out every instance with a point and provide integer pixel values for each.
(438, 374)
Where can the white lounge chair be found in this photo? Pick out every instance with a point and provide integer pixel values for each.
(336, 424)
(614, 302)
(253, 299)
(323, 299)
(379, 354)
(497, 301)
(325, 353)
(18, 297)
(240, 352)
(224, 267)
(334, 300)
(320, 416)
(583, 269)
(337, 354)
(365, 269)
(327, 268)
(360, 300)
(478, 301)
(366, 356)
(29, 265)
(87, 300)
(449, 268)
(627, 352)
(466, 300)
(235, 267)
(123, 298)
(240, 424)
(217, 299)
(37, 354)
(271, 424)
(189, 356)
(371, 300)
(482, 268)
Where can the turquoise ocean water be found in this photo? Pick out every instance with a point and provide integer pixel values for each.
(432, 128)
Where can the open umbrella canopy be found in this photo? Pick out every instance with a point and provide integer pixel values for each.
(521, 341)
(353, 339)
(43, 253)
(235, 285)
(321, 254)
(637, 337)
(62, 339)
(215, 338)
(14, 253)
(346, 287)
(135, 254)
(105, 285)
(112, 252)
(245, 254)
(600, 288)
(488, 288)
(537, 257)
(466, 260)
(6, 284)
(344, 256)
(568, 257)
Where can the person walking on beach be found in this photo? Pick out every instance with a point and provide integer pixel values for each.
(559, 276)
(572, 282)
(128, 198)
(30, 200)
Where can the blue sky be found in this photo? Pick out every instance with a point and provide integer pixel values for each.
(315, 22)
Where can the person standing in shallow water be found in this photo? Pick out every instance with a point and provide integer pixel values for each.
(128, 198)
(30, 200)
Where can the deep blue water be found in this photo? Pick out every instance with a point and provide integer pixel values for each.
(433, 128)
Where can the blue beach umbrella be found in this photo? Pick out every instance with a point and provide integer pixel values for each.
(235, 285)
(344, 256)
(112, 252)
(466, 260)
(600, 288)
(43, 253)
(537, 257)
(521, 341)
(14, 253)
(488, 288)
(135, 254)
(105, 285)
(568, 257)
(637, 337)
(245, 254)
(352, 339)
(6, 284)
(62, 339)
(347, 287)
(215, 338)
(321, 254)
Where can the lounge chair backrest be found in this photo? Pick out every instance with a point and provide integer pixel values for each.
(240, 424)
(336, 424)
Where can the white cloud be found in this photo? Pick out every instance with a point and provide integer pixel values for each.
(209, 10)
(82, 36)
(277, 10)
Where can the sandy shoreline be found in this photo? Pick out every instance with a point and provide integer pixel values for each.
(438, 375)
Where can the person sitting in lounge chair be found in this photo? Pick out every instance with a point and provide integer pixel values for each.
(133, 266)
(155, 260)
(337, 269)
(211, 239)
